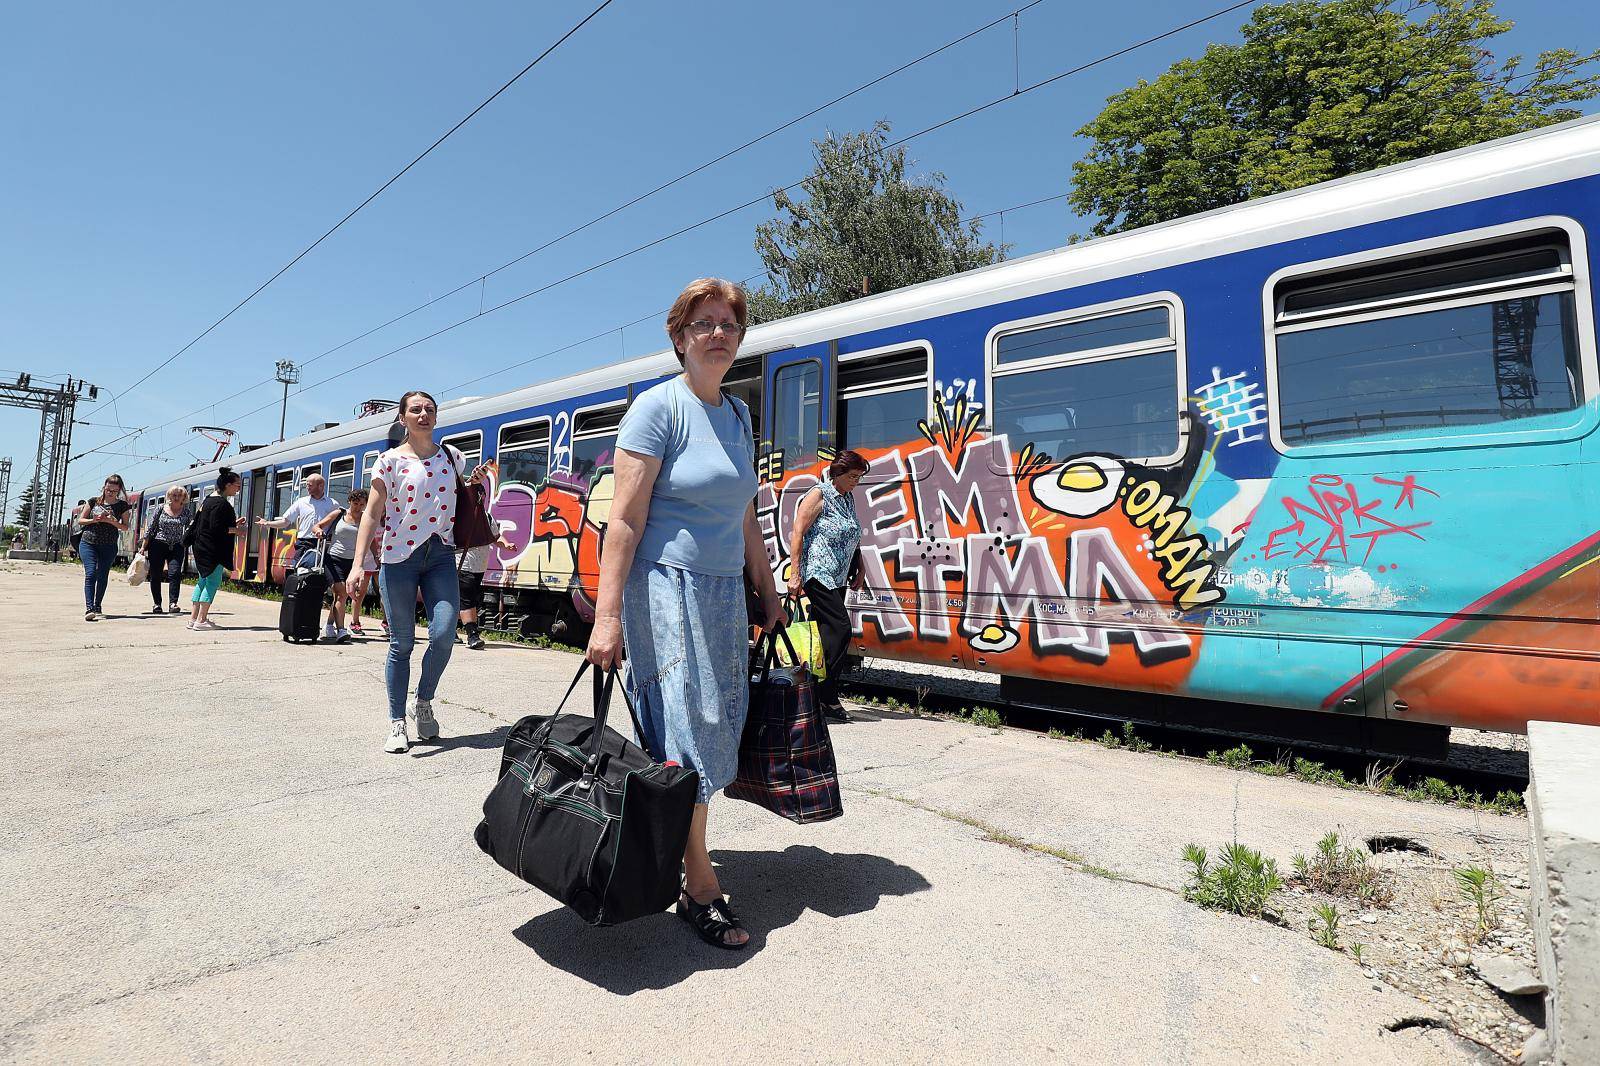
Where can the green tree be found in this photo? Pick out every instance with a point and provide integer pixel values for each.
(862, 226)
(1314, 91)
(25, 505)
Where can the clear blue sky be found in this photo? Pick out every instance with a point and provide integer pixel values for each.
(160, 162)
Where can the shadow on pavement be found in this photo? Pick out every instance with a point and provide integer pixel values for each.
(495, 738)
(769, 889)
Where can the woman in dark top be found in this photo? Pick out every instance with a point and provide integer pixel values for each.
(213, 534)
(102, 520)
(163, 547)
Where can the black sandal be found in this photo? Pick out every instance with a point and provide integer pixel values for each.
(712, 921)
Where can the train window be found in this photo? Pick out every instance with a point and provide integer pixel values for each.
(1107, 383)
(1082, 336)
(796, 412)
(368, 461)
(282, 491)
(524, 453)
(341, 479)
(744, 381)
(470, 445)
(1475, 335)
(594, 439)
(882, 398)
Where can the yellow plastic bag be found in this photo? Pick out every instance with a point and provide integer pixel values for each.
(807, 641)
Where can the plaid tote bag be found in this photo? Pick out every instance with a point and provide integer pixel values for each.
(785, 757)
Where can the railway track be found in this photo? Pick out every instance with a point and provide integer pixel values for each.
(1476, 760)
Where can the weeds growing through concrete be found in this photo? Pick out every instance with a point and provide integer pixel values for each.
(1242, 881)
(1481, 888)
(1324, 925)
(1356, 951)
(1336, 869)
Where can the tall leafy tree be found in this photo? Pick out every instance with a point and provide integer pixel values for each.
(25, 504)
(861, 226)
(1317, 89)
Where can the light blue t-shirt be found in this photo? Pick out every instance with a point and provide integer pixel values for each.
(707, 477)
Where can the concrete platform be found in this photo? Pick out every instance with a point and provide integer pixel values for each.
(208, 857)
(1564, 805)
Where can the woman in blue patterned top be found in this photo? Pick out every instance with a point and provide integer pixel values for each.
(822, 551)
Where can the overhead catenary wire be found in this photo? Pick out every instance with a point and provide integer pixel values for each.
(374, 195)
(482, 279)
(766, 194)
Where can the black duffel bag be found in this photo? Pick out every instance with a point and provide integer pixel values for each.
(587, 816)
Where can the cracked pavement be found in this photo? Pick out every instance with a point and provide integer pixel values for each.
(208, 858)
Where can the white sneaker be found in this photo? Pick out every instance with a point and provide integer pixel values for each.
(427, 724)
(207, 625)
(329, 633)
(344, 636)
(397, 742)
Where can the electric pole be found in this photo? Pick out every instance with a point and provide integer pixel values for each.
(55, 404)
(5, 490)
(289, 374)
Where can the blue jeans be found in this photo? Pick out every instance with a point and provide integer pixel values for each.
(432, 568)
(97, 560)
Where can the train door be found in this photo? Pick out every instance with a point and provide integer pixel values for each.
(798, 425)
(256, 508)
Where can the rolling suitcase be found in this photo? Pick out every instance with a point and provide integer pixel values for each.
(303, 590)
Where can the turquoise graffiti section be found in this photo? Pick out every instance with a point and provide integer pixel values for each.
(1350, 556)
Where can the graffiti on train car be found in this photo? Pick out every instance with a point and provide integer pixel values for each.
(1338, 516)
(970, 542)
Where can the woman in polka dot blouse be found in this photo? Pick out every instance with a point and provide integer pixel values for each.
(414, 499)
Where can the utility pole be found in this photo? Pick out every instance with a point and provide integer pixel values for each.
(289, 374)
(55, 404)
(5, 490)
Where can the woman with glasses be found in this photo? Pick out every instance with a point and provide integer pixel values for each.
(681, 537)
(163, 546)
(102, 521)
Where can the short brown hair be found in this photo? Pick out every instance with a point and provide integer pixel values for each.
(847, 462)
(694, 294)
(358, 496)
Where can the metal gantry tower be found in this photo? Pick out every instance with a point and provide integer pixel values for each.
(1514, 325)
(55, 404)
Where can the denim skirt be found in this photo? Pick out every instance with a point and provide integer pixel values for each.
(688, 653)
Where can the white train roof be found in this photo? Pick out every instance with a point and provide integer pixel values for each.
(1556, 153)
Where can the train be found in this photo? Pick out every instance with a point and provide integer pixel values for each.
(1329, 454)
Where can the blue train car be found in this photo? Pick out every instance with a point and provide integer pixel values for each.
(1328, 451)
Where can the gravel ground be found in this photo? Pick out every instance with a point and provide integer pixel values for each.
(1477, 749)
(1427, 939)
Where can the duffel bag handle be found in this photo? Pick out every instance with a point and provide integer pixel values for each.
(602, 706)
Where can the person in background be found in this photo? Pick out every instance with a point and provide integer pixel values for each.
(163, 547)
(821, 548)
(413, 500)
(682, 535)
(101, 521)
(360, 582)
(469, 575)
(341, 527)
(303, 514)
(75, 531)
(212, 536)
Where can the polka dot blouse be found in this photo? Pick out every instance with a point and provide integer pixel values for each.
(421, 500)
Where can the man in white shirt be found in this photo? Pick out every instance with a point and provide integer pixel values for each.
(303, 514)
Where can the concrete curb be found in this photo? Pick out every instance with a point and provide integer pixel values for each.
(1564, 806)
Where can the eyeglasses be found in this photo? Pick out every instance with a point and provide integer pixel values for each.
(704, 327)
